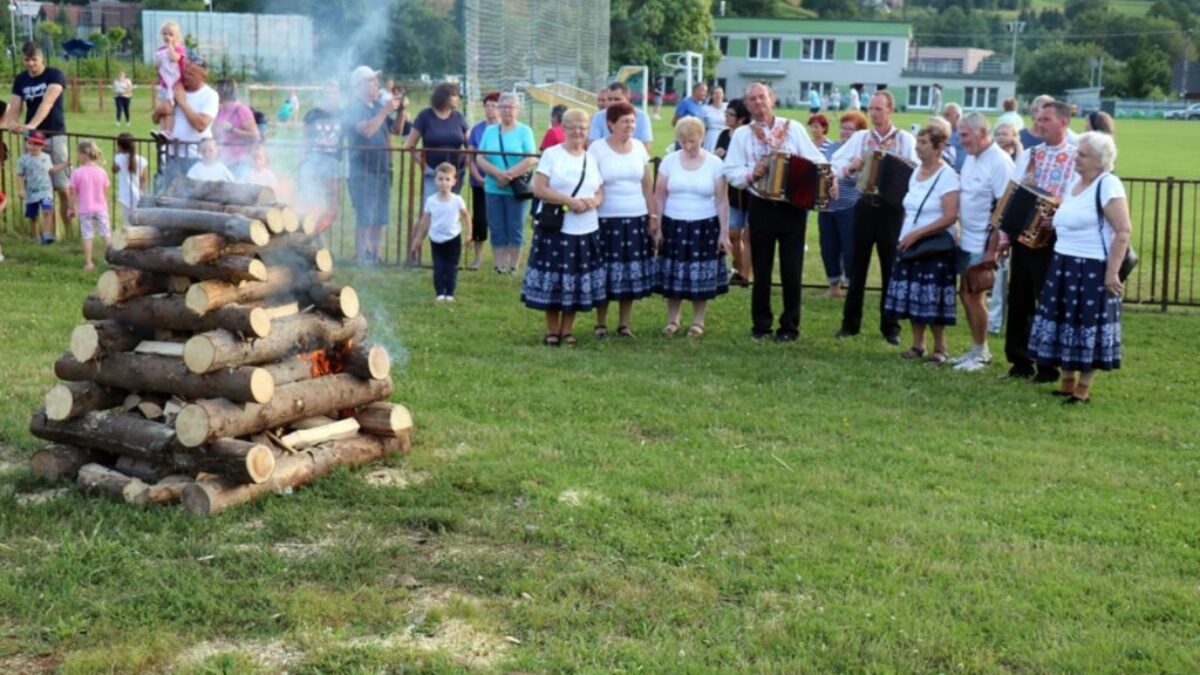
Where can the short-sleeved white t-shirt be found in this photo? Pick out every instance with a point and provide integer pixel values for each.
(984, 179)
(941, 183)
(203, 101)
(1077, 223)
(129, 186)
(444, 221)
(622, 173)
(210, 172)
(690, 193)
(563, 171)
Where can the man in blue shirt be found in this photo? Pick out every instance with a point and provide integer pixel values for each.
(814, 101)
(692, 106)
(619, 92)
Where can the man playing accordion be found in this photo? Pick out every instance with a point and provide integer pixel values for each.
(771, 222)
(876, 222)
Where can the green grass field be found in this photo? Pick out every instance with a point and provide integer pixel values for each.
(657, 505)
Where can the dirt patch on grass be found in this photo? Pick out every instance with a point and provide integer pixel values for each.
(391, 477)
(40, 497)
(580, 497)
(276, 655)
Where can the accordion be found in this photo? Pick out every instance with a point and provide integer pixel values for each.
(1024, 212)
(796, 180)
(884, 176)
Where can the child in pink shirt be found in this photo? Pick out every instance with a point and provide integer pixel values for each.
(89, 199)
(168, 61)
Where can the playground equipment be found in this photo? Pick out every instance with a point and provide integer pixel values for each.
(555, 93)
(637, 78)
(691, 63)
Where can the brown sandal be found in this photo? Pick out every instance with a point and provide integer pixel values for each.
(696, 331)
(600, 331)
(551, 340)
(670, 329)
(937, 358)
(568, 339)
(912, 353)
(623, 331)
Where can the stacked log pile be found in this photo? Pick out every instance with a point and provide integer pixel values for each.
(219, 361)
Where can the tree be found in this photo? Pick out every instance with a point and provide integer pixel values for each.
(643, 30)
(1055, 68)
(1148, 71)
(416, 23)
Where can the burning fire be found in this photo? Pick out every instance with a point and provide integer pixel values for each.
(327, 361)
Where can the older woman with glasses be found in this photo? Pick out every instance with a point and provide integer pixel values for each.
(505, 154)
(566, 266)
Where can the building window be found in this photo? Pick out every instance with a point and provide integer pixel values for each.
(764, 49)
(981, 98)
(823, 88)
(873, 51)
(723, 44)
(920, 96)
(817, 50)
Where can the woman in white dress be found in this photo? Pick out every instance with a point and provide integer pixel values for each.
(714, 118)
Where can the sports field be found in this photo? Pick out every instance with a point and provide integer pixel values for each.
(657, 505)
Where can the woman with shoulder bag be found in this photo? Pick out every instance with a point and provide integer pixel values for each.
(921, 288)
(566, 270)
(1078, 323)
(504, 161)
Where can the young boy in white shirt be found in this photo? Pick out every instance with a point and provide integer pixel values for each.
(444, 218)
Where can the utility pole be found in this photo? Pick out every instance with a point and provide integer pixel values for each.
(1015, 27)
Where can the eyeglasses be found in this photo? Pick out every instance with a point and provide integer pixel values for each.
(574, 127)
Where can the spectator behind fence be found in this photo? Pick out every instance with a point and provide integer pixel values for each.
(321, 165)
(89, 200)
(1100, 121)
(169, 61)
(196, 106)
(504, 148)
(1010, 115)
(442, 132)
(33, 181)
(39, 91)
(260, 172)
(479, 218)
(714, 118)
(122, 96)
(369, 126)
(130, 169)
(210, 167)
(234, 128)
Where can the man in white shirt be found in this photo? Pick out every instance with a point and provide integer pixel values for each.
(773, 222)
(1051, 167)
(196, 106)
(984, 179)
(876, 223)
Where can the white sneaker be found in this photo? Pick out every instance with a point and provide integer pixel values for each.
(976, 364)
(449, 298)
(968, 355)
(440, 298)
(1, 257)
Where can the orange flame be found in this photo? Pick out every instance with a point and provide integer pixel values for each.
(320, 363)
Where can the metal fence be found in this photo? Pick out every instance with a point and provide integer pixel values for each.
(1165, 214)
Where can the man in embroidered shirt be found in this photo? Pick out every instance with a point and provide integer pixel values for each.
(1051, 167)
(774, 222)
(876, 224)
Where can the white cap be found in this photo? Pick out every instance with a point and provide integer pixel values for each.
(362, 74)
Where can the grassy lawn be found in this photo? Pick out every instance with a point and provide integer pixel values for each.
(660, 505)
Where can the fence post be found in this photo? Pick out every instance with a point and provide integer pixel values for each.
(1166, 279)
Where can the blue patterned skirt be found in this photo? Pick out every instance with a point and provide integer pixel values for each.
(922, 290)
(565, 272)
(1078, 322)
(629, 263)
(690, 264)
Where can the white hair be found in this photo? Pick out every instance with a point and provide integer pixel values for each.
(1103, 145)
(975, 121)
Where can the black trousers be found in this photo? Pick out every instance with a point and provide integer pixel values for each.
(445, 265)
(1027, 271)
(876, 225)
(771, 224)
(122, 107)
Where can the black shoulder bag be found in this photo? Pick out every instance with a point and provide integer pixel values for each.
(520, 185)
(549, 217)
(1131, 258)
(939, 243)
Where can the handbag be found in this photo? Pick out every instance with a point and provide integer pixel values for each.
(521, 187)
(940, 243)
(1131, 259)
(981, 276)
(550, 217)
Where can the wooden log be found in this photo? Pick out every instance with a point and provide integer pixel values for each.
(212, 495)
(385, 419)
(160, 348)
(291, 220)
(150, 408)
(144, 372)
(170, 260)
(208, 351)
(202, 248)
(368, 362)
(71, 399)
(208, 419)
(291, 369)
(97, 338)
(271, 215)
(155, 442)
(231, 226)
(312, 422)
(173, 314)
(336, 300)
(206, 296)
(96, 479)
(57, 461)
(334, 431)
(241, 194)
(137, 238)
(120, 284)
(284, 310)
(147, 472)
(279, 244)
(166, 491)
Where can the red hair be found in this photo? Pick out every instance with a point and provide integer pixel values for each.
(616, 111)
(819, 119)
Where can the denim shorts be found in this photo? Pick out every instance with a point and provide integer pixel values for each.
(369, 193)
(506, 220)
(737, 218)
(33, 208)
(965, 260)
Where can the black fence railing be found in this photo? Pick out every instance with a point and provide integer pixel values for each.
(1165, 214)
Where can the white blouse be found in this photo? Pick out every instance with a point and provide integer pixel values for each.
(1078, 224)
(563, 170)
(690, 192)
(622, 174)
(941, 183)
(714, 124)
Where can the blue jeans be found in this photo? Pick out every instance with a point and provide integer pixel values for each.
(445, 265)
(836, 228)
(506, 220)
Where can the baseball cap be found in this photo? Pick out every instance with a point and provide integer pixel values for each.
(36, 138)
(362, 74)
(195, 57)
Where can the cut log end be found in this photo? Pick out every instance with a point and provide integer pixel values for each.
(201, 248)
(198, 300)
(379, 362)
(291, 220)
(199, 353)
(262, 385)
(192, 426)
(323, 260)
(309, 223)
(260, 463)
(108, 287)
(259, 234)
(85, 342)
(257, 270)
(59, 402)
(198, 499)
(349, 302)
(390, 420)
(260, 322)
